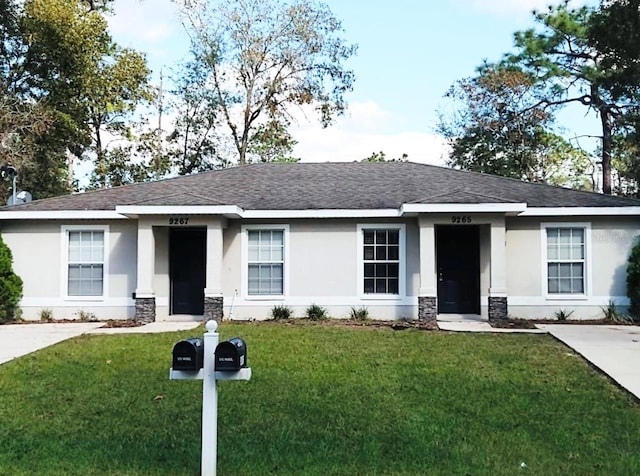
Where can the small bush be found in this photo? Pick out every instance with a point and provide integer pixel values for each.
(10, 286)
(281, 312)
(562, 315)
(359, 313)
(46, 315)
(316, 313)
(633, 281)
(86, 316)
(611, 313)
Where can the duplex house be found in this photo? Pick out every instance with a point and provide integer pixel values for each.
(404, 240)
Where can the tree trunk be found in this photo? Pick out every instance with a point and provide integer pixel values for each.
(605, 118)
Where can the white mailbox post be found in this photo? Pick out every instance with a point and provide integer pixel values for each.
(209, 376)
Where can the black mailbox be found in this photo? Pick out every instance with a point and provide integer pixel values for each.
(231, 355)
(188, 354)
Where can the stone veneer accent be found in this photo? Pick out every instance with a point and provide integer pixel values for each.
(213, 308)
(497, 308)
(145, 309)
(427, 309)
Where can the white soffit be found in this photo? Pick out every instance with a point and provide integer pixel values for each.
(62, 215)
(463, 208)
(580, 211)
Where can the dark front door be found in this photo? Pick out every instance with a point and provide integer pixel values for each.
(187, 268)
(458, 260)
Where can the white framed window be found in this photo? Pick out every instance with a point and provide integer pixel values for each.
(381, 261)
(84, 251)
(566, 251)
(265, 261)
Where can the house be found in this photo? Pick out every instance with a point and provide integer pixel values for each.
(405, 240)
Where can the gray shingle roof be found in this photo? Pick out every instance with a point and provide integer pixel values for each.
(354, 185)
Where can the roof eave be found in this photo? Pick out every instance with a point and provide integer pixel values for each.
(579, 211)
(507, 208)
(61, 215)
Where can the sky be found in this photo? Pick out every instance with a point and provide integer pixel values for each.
(409, 53)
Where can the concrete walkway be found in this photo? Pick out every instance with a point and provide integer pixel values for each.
(17, 340)
(615, 350)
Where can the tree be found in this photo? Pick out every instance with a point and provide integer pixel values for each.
(82, 74)
(499, 127)
(10, 285)
(633, 281)
(192, 143)
(564, 58)
(615, 31)
(261, 58)
(382, 157)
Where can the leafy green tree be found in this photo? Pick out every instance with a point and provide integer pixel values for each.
(193, 145)
(82, 74)
(633, 281)
(498, 126)
(261, 58)
(10, 285)
(563, 56)
(614, 30)
(382, 157)
(271, 142)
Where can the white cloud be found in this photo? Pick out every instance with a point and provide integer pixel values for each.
(365, 130)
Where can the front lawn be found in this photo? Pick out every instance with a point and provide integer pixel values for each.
(323, 400)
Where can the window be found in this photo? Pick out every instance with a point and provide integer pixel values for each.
(85, 262)
(566, 258)
(266, 259)
(381, 249)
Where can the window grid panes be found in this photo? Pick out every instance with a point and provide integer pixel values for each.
(381, 256)
(266, 262)
(565, 260)
(85, 263)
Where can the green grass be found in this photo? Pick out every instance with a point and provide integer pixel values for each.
(323, 400)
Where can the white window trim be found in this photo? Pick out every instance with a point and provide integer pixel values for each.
(402, 261)
(587, 261)
(245, 263)
(64, 259)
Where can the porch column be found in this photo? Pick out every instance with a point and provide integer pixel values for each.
(213, 300)
(498, 271)
(145, 296)
(427, 296)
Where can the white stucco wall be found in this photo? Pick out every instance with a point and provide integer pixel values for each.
(323, 270)
(39, 261)
(610, 240)
(323, 267)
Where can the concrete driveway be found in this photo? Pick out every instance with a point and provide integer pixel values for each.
(613, 349)
(17, 340)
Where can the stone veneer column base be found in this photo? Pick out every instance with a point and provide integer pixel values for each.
(213, 308)
(427, 309)
(145, 310)
(498, 308)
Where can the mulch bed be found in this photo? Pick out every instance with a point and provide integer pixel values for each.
(531, 323)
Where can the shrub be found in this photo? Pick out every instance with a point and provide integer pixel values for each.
(633, 281)
(359, 313)
(46, 315)
(611, 313)
(281, 312)
(316, 313)
(86, 316)
(562, 315)
(10, 285)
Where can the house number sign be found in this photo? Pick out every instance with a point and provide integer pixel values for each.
(178, 220)
(460, 219)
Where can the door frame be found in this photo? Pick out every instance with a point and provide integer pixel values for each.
(473, 268)
(176, 231)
